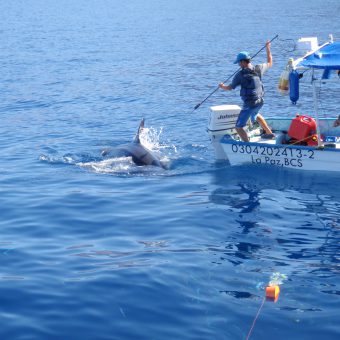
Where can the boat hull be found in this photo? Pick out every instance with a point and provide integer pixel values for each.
(279, 155)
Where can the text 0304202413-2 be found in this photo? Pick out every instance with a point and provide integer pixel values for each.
(272, 151)
(285, 157)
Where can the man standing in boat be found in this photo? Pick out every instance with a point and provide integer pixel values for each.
(249, 78)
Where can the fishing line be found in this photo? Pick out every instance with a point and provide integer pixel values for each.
(285, 49)
(322, 82)
(320, 101)
(321, 107)
(255, 319)
(271, 294)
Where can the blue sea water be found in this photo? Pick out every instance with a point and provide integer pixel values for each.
(95, 248)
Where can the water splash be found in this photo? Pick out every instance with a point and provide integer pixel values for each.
(277, 279)
(67, 158)
(111, 165)
(150, 138)
(190, 159)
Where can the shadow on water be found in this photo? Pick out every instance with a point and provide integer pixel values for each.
(253, 180)
(281, 220)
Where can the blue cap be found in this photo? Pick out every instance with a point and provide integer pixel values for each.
(242, 56)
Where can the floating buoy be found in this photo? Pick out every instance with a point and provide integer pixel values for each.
(284, 82)
(272, 293)
(294, 86)
(284, 78)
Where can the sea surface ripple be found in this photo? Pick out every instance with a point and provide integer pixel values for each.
(95, 248)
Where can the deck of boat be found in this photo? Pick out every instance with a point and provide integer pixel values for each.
(257, 138)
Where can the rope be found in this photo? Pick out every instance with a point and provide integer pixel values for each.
(285, 49)
(255, 319)
(301, 140)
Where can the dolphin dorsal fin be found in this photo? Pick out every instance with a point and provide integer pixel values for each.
(140, 128)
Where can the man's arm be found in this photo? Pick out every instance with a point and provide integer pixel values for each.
(269, 55)
(225, 87)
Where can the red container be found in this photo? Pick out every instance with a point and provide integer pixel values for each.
(301, 127)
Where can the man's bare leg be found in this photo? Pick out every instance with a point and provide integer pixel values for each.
(263, 124)
(242, 134)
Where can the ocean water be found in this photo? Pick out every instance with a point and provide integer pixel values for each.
(99, 248)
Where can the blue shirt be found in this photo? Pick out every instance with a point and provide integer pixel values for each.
(252, 90)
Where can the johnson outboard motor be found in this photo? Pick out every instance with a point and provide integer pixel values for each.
(222, 122)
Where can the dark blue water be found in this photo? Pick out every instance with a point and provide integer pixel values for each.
(95, 248)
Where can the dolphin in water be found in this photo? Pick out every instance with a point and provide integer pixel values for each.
(140, 154)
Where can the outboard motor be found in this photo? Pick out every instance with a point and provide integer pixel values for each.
(222, 122)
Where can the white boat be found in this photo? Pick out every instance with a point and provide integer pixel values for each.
(302, 142)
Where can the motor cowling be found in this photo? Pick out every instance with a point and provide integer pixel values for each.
(222, 122)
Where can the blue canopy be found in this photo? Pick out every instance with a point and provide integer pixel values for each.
(327, 57)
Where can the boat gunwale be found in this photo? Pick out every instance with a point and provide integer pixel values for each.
(276, 146)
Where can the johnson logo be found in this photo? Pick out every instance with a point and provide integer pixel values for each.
(235, 115)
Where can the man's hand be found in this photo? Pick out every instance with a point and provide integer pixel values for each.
(224, 87)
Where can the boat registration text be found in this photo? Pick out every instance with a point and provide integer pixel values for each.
(278, 156)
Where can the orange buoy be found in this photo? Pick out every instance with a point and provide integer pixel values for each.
(272, 292)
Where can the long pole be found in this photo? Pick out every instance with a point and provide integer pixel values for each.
(199, 104)
(316, 110)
